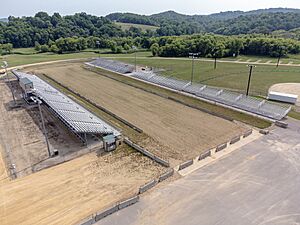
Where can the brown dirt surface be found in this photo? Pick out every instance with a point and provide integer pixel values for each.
(69, 192)
(184, 131)
(21, 139)
(288, 88)
(3, 173)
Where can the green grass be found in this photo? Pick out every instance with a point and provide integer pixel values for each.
(294, 114)
(228, 75)
(22, 59)
(16, 60)
(127, 26)
(24, 51)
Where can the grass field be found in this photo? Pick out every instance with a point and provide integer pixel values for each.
(127, 26)
(228, 75)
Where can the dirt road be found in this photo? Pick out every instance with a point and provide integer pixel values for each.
(184, 131)
(67, 193)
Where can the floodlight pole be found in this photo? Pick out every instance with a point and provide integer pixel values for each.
(43, 126)
(278, 61)
(135, 66)
(98, 45)
(193, 64)
(10, 84)
(249, 79)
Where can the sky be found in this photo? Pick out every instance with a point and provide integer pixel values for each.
(101, 7)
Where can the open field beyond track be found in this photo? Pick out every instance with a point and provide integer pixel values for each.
(185, 132)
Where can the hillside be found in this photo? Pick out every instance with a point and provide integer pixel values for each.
(143, 27)
(5, 20)
(228, 23)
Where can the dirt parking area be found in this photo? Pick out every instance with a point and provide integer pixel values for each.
(21, 137)
(184, 131)
(69, 192)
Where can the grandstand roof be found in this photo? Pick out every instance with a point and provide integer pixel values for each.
(71, 113)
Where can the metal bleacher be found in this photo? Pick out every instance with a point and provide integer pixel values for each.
(236, 100)
(79, 120)
(239, 101)
(112, 65)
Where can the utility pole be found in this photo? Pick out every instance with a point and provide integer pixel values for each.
(39, 102)
(281, 53)
(193, 55)
(98, 45)
(10, 84)
(134, 48)
(249, 79)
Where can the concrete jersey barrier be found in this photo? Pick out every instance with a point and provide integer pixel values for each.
(235, 140)
(166, 175)
(147, 186)
(128, 202)
(221, 147)
(106, 212)
(204, 155)
(185, 164)
(248, 133)
(146, 153)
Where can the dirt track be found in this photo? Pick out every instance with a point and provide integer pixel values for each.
(184, 131)
(67, 193)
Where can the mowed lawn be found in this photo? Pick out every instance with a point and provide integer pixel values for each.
(228, 75)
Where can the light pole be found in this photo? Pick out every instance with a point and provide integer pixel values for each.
(39, 102)
(10, 84)
(98, 45)
(134, 48)
(193, 55)
(281, 53)
(249, 79)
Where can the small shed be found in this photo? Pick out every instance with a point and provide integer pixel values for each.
(26, 84)
(283, 97)
(109, 143)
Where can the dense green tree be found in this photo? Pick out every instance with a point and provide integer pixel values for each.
(154, 49)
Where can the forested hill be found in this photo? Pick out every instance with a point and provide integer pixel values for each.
(230, 23)
(43, 28)
(3, 20)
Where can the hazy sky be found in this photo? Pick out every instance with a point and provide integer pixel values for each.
(101, 7)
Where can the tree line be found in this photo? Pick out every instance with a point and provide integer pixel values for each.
(218, 46)
(43, 28)
(207, 45)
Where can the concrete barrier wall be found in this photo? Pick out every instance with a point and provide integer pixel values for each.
(248, 133)
(221, 147)
(185, 164)
(281, 124)
(235, 140)
(265, 132)
(147, 186)
(106, 212)
(147, 153)
(88, 221)
(204, 155)
(128, 202)
(166, 175)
